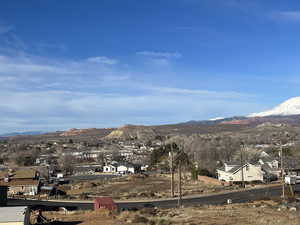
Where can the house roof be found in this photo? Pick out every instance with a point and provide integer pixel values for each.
(13, 183)
(222, 168)
(268, 158)
(265, 167)
(19, 174)
(234, 169)
(12, 214)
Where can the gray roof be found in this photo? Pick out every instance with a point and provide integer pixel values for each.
(236, 168)
(268, 158)
(12, 214)
(231, 170)
(222, 168)
(265, 167)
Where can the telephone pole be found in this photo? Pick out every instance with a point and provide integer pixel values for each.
(282, 171)
(242, 164)
(172, 171)
(179, 186)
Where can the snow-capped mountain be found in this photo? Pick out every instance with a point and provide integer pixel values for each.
(217, 118)
(289, 107)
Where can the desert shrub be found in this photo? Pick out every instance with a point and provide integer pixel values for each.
(163, 222)
(84, 195)
(199, 171)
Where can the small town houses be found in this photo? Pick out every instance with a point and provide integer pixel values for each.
(122, 168)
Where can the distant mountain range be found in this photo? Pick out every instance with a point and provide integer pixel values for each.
(286, 113)
(22, 133)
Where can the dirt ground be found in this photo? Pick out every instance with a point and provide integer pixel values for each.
(257, 213)
(139, 187)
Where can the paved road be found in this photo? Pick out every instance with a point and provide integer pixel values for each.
(91, 177)
(237, 197)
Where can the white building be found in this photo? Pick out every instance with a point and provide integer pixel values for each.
(234, 172)
(269, 165)
(13, 215)
(112, 168)
(126, 168)
(59, 175)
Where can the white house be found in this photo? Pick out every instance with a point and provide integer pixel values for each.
(126, 168)
(265, 158)
(269, 165)
(232, 172)
(59, 175)
(111, 168)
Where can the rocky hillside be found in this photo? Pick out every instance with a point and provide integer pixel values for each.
(133, 132)
(75, 132)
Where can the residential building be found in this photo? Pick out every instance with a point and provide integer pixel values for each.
(125, 168)
(21, 181)
(14, 215)
(270, 166)
(235, 172)
(110, 168)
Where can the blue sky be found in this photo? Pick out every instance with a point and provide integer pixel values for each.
(106, 63)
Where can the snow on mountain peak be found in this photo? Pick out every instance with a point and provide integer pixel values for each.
(217, 118)
(289, 107)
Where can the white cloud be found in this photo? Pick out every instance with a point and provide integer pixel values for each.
(103, 60)
(167, 55)
(27, 64)
(58, 109)
(41, 93)
(201, 93)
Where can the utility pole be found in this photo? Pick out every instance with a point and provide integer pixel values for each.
(179, 186)
(172, 171)
(242, 164)
(282, 171)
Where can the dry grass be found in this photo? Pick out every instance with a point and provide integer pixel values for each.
(258, 213)
(154, 186)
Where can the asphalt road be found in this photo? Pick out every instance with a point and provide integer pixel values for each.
(90, 177)
(236, 197)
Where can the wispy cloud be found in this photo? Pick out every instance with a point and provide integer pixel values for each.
(292, 16)
(50, 94)
(103, 60)
(167, 55)
(61, 109)
(200, 93)
(45, 93)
